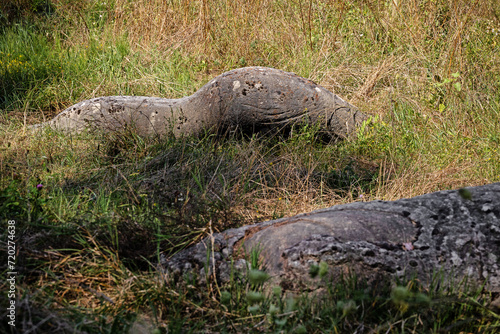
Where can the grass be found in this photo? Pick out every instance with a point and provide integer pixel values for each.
(94, 213)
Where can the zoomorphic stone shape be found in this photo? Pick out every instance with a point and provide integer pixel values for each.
(251, 98)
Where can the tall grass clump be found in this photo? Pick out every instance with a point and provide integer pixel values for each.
(96, 213)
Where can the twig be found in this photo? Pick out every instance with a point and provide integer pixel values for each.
(128, 184)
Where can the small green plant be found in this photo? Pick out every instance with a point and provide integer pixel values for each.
(374, 138)
(30, 204)
(257, 277)
(13, 204)
(255, 261)
(402, 297)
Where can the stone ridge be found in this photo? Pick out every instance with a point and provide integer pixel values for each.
(249, 99)
(442, 231)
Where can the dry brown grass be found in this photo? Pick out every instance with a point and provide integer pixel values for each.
(394, 59)
(377, 54)
(371, 52)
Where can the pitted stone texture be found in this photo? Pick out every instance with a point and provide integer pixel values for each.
(347, 225)
(250, 99)
(419, 236)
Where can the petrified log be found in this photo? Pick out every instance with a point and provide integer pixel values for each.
(252, 98)
(456, 232)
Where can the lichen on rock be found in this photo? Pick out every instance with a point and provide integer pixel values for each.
(250, 99)
(415, 237)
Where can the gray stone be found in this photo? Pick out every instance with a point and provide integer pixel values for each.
(251, 99)
(420, 236)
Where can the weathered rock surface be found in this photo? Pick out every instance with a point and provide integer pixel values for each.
(251, 98)
(447, 230)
